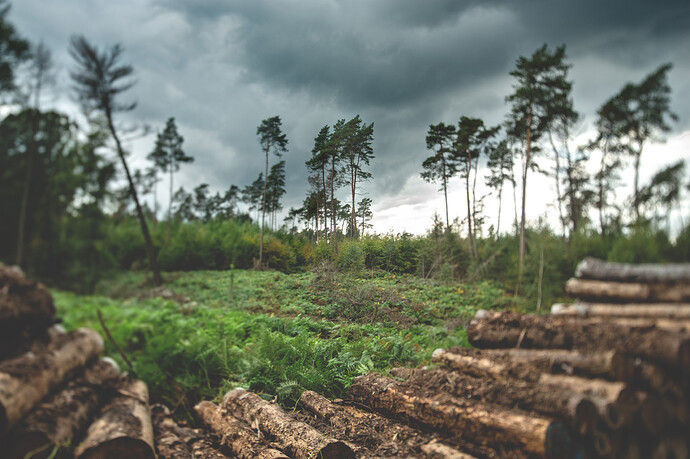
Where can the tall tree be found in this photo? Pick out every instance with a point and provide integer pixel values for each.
(440, 166)
(40, 74)
(357, 154)
(99, 78)
(364, 212)
(645, 113)
(275, 190)
(317, 164)
(471, 142)
(167, 155)
(252, 194)
(540, 86)
(334, 149)
(500, 164)
(664, 191)
(271, 138)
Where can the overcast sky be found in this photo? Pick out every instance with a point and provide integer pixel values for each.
(221, 66)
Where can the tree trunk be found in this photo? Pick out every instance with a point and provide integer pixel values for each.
(528, 158)
(151, 254)
(636, 184)
(177, 442)
(474, 421)
(592, 268)
(470, 235)
(235, 434)
(167, 240)
(24, 204)
(445, 190)
(123, 428)
(627, 292)
(55, 422)
(297, 438)
(506, 329)
(651, 310)
(386, 437)
(263, 212)
(25, 380)
(581, 402)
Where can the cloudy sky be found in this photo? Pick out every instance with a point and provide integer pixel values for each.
(221, 66)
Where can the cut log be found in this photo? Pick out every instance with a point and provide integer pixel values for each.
(592, 268)
(178, 442)
(235, 434)
(55, 422)
(123, 427)
(376, 436)
(515, 362)
(646, 375)
(507, 329)
(626, 292)
(25, 380)
(296, 438)
(652, 310)
(671, 447)
(23, 301)
(580, 407)
(477, 422)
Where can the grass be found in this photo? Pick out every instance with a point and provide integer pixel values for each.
(274, 333)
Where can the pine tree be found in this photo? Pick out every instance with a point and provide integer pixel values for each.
(167, 156)
(440, 166)
(271, 138)
(540, 87)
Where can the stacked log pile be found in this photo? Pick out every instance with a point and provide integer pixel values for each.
(57, 398)
(659, 292)
(622, 388)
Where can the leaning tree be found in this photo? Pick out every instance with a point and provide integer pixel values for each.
(99, 78)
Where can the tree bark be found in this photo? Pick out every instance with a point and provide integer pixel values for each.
(55, 422)
(506, 330)
(382, 436)
(235, 434)
(581, 402)
(25, 380)
(474, 421)
(123, 428)
(592, 268)
(177, 442)
(651, 310)
(296, 438)
(150, 252)
(626, 292)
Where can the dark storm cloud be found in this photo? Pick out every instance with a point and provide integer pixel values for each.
(221, 66)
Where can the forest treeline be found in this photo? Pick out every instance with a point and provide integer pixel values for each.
(73, 210)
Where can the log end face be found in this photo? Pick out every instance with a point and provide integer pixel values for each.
(336, 450)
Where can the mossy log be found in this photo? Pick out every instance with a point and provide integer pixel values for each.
(25, 380)
(235, 434)
(511, 330)
(592, 268)
(55, 422)
(627, 292)
(478, 422)
(296, 438)
(122, 428)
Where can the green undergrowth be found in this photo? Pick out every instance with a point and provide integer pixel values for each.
(205, 332)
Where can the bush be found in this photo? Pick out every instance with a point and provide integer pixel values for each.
(351, 257)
